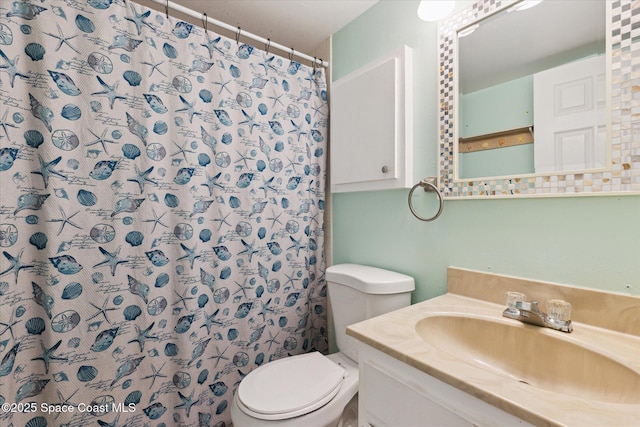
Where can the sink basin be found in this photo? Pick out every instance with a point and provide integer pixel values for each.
(532, 355)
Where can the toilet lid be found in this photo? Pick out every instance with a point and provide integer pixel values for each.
(290, 387)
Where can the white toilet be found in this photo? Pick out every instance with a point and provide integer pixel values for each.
(313, 389)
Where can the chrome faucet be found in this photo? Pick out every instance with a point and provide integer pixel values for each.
(528, 312)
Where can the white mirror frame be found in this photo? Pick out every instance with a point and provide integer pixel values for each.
(622, 177)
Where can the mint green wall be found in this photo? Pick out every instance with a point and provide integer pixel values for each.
(504, 106)
(584, 241)
(505, 161)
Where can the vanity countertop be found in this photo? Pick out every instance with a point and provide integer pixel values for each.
(474, 294)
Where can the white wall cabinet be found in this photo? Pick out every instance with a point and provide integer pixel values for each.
(392, 393)
(372, 126)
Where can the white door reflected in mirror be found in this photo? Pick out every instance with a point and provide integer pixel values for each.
(569, 117)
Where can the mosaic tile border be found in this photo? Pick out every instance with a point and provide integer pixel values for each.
(623, 177)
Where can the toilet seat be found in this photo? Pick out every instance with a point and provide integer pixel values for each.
(290, 387)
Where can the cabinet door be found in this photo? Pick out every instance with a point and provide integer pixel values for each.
(391, 403)
(394, 394)
(371, 126)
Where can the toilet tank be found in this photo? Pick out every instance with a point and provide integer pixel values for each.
(359, 292)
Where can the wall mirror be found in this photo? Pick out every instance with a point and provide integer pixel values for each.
(530, 99)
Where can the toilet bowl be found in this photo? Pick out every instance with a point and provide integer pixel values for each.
(299, 391)
(313, 390)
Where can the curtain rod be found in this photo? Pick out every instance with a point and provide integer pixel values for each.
(200, 15)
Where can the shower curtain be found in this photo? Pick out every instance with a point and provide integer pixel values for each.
(161, 215)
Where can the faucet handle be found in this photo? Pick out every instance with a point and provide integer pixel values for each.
(513, 298)
(558, 309)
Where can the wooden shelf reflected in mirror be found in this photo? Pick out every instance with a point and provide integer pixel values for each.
(508, 138)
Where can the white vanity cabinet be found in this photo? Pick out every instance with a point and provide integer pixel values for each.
(392, 394)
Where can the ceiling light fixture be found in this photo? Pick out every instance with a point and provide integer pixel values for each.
(467, 31)
(524, 5)
(435, 10)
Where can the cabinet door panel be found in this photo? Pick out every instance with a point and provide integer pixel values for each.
(371, 126)
(392, 403)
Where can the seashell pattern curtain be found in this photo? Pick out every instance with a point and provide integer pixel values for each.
(161, 215)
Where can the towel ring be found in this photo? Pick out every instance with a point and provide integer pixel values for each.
(429, 184)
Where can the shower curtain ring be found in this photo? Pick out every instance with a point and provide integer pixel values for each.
(291, 55)
(267, 46)
(166, 8)
(238, 35)
(205, 22)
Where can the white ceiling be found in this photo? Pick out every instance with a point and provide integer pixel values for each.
(300, 24)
